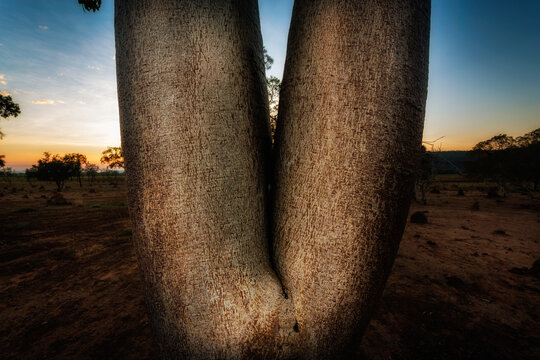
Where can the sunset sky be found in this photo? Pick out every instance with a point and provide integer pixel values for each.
(58, 63)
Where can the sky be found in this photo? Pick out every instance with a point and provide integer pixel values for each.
(58, 64)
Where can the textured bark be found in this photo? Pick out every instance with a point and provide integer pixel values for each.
(349, 128)
(195, 137)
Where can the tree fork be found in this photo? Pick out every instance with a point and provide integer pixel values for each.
(195, 136)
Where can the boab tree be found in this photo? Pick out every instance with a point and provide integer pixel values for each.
(244, 256)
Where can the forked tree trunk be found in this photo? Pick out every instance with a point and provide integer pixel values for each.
(349, 129)
(195, 136)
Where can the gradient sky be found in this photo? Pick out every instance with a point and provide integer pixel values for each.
(58, 63)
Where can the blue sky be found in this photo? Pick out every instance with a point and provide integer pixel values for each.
(58, 63)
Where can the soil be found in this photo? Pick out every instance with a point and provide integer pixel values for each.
(70, 286)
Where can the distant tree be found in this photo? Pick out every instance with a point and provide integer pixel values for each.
(268, 60)
(56, 168)
(531, 138)
(5, 172)
(7, 108)
(424, 175)
(529, 158)
(76, 161)
(113, 157)
(498, 142)
(31, 174)
(273, 85)
(91, 171)
(90, 5)
(503, 159)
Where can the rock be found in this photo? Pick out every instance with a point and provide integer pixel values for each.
(454, 281)
(533, 271)
(419, 217)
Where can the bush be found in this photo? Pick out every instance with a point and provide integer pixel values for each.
(58, 199)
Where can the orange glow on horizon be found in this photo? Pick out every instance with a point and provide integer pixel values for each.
(22, 156)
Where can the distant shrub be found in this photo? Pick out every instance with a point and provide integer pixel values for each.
(58, 199)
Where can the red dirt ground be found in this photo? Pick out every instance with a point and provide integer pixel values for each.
(70, 286)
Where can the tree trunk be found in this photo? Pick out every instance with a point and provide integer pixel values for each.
(195, 136)
(349, 129)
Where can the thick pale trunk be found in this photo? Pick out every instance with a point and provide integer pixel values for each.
(349, 128)
(195, 136)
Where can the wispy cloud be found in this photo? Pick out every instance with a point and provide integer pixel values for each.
(94, 67)
(2, 77)
(43, 27)
(3, 82)
(43, 102)
(4, 93)
(60, 101)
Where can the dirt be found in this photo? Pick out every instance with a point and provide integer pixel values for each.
(70, 286)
